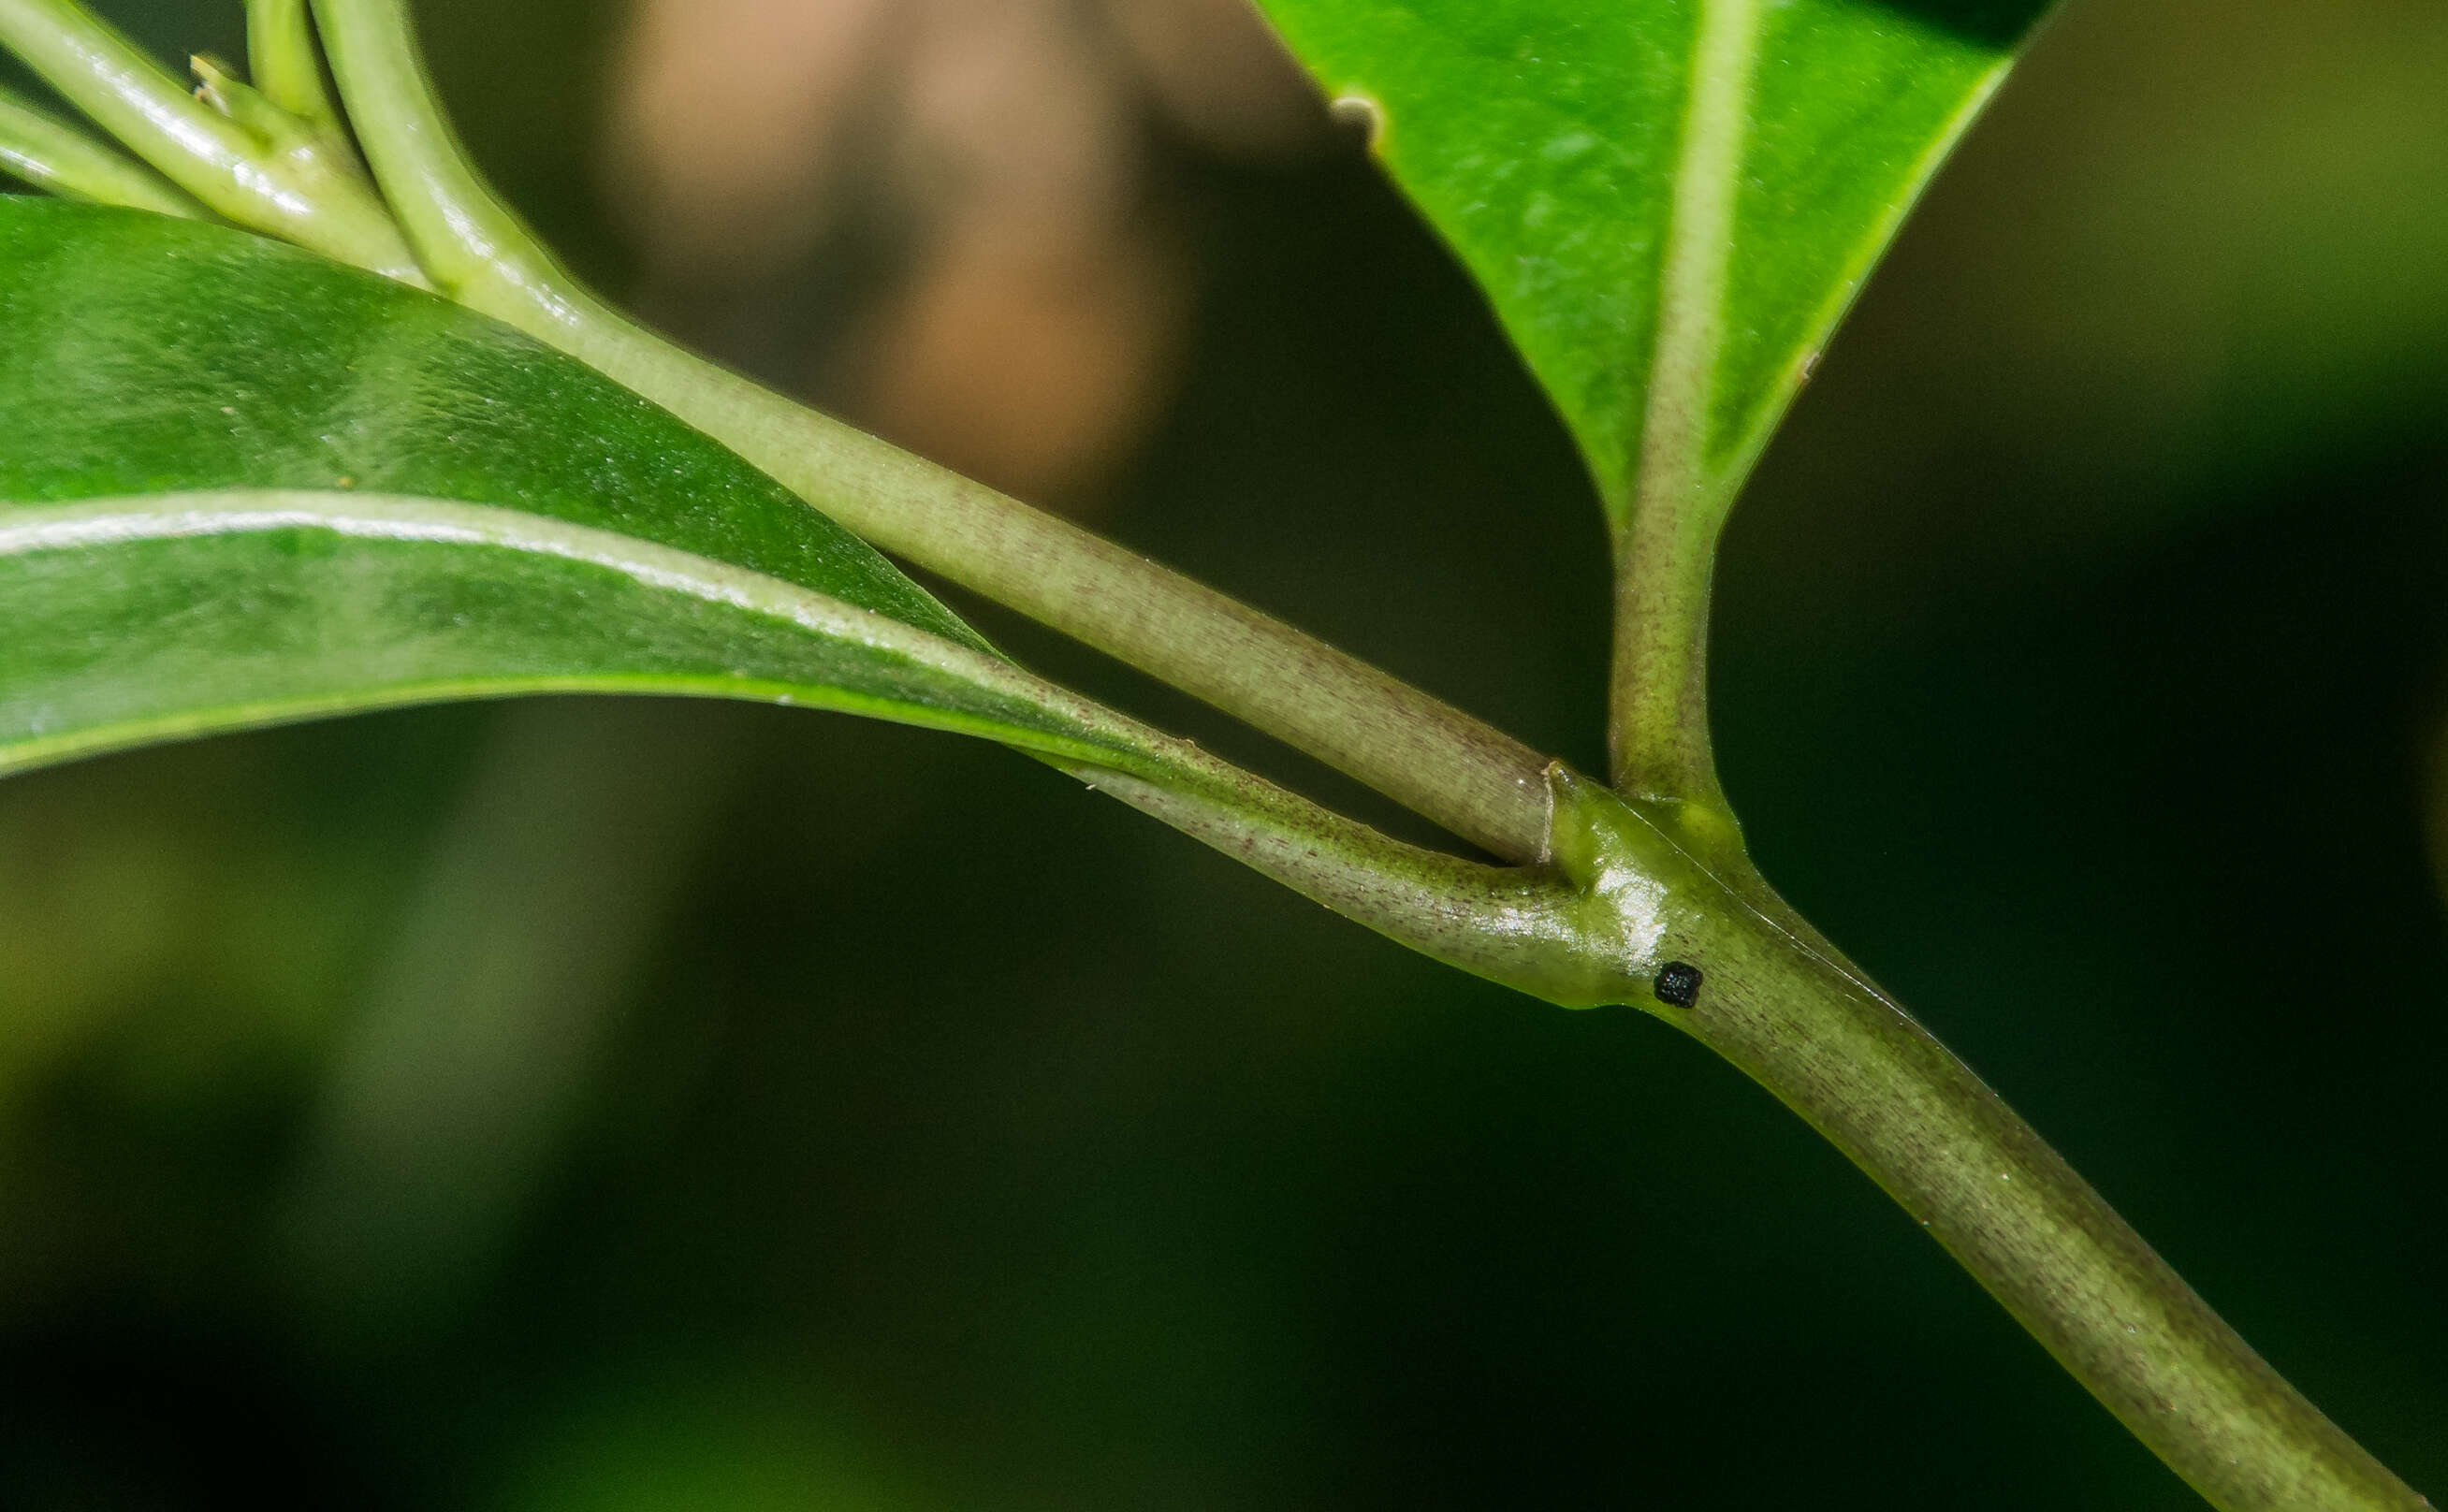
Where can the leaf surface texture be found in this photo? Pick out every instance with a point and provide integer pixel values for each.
(244, 485)
(1670, 203)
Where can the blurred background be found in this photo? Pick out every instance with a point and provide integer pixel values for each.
(591, 1106)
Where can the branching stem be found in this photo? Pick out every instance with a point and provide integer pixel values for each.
(53, 156)
(295, 186)
(1433, 758)
(1623, 892)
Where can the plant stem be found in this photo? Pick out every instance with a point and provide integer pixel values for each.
(56, 157)
(287, 63)
(2033, 1232)
(1666, 545)
(293, 189)
(1623, 898)
(1463, 773)
(1423, 754)
(1861, 1072)
(1657, 725)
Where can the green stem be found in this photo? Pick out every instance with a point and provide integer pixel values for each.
(2033, 1232)
(1666, 548)
(1623, 898)
(293, 188)
(1423, 754)
(287, 63)
(1861, 1072)
(1463, 773)
(57, 158)
(1657, 730)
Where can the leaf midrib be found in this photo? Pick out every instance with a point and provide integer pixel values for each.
(411, 519)
(1698, 255)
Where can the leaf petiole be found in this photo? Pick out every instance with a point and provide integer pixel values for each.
(294, 188)
(1643, 899)
(1466, 775)
(55, 156)
(288, 66)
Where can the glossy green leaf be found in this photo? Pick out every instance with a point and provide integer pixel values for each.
(246, 485)
(165, 615)
(1670, 202)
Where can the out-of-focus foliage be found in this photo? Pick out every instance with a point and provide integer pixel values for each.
(545, 1106)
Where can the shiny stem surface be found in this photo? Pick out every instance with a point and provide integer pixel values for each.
(1986, 1186)
(1616, 905)
(1432, 758)
(55, 157)
(292, 184)
(287, 62)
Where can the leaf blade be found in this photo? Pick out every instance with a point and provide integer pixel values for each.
(243, 485)
(139, 355)
(175, 404)
(1552, 144)
(1902, 95)
(182, 614)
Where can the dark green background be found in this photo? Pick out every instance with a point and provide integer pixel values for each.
(872, 1120)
